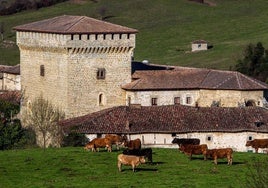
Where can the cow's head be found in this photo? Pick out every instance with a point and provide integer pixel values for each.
(175, 141)
(89, 146)
(142, 159)
(249, 143)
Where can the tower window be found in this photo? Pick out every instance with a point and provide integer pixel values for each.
(101, 73)
(101, 99)
(42, 70)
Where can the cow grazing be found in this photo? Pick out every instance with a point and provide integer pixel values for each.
(97, 143)
(221, 153)
(190, 150)
(133, 144)
(257, 143)
(179, 141)
(129, 160)
(116, 140)
(146, 152)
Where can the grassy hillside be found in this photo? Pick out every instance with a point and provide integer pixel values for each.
(75, 167)
(166, 28)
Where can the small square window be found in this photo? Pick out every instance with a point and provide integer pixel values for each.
(188, 100)
(177, 100)
(154, 101)
(101, 73)
(250, 138)
(209, 138)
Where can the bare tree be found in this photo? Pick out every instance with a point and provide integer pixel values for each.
(42, 116)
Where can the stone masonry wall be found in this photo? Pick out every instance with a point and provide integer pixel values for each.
(70, 65)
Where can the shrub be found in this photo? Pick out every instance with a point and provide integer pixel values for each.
(75, 139)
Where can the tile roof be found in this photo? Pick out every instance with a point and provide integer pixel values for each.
(192, 78)
(199, 41)
(68, 24)
(170, 119)
(13, 97)
(10, 69)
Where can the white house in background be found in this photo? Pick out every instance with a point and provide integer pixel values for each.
(10, 78)
(157, 126)
(199, 45)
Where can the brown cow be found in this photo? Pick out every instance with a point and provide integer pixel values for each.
(190, 150)
(129, 160)
(98, 143)
(221, 153)
(133, 144)
(257, 143)
(116, 140)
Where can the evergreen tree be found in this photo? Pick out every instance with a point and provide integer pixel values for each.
(254, 62)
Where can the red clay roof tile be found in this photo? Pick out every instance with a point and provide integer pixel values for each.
(67, 24)
(192, 78)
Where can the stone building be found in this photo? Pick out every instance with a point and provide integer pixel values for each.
(157, 126)
(76, 62)
(194, 87)
(199, 45)
(85, 65)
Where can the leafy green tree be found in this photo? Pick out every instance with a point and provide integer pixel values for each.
(254, 62)
(12, 134)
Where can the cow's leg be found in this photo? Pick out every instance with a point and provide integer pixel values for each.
(256, 150)
(119, 165)
(230, 160)
(215, 160)
(133, 167)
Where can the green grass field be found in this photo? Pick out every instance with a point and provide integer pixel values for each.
(75, 167)
(167, 28)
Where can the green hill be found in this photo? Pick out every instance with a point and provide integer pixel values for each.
(166, 28)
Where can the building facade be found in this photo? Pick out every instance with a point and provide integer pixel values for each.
(76, 62)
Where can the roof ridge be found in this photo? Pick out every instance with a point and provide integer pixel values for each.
(251, 79)
(79, 19)
(209, 71)
(238, 80)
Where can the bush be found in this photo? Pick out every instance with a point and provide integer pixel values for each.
(75, 139)
(12, 135)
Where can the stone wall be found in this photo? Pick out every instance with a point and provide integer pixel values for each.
(70, 64)
(202, 98)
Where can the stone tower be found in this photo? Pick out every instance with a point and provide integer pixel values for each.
(76, 62)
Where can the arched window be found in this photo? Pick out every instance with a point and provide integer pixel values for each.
(250, 103)
(101, 99)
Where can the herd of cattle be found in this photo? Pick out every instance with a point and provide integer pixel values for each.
(134, 155)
